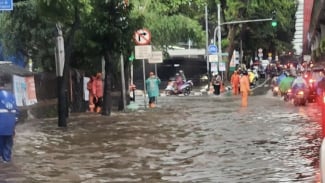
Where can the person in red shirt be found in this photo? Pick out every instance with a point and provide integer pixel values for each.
(98, 92)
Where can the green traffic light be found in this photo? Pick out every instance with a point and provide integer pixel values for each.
(274, 23)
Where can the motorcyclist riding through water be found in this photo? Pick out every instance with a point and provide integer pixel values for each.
(299, 84)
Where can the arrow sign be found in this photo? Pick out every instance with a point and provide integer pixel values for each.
(142, 37)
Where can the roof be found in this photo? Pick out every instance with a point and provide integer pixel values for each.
(7, 68)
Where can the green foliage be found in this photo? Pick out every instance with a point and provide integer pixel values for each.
(261, 34)
(108, 25)
(25, 32)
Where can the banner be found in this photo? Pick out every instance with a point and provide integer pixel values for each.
(86, 92)
(24, 90)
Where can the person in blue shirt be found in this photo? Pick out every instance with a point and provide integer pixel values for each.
(152, 86)
(8, 119)
(299, 84)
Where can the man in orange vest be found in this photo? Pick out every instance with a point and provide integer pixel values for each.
(244, 88)
(235, 83)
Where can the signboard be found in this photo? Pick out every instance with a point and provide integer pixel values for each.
(213, 58)
(156, 57)
(143, 52)
(214, 66)
(142, 37)
(222, 66)
(6, 5)
(212, 49)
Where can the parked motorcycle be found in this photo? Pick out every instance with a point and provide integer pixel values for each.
(184, 89)
(300, 98)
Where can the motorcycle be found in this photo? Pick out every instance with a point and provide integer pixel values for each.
(275, 91)
(300, 98)
(287, 95)
(312, 96)
(184, 89)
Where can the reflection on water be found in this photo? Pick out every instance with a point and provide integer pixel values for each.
(198, 139)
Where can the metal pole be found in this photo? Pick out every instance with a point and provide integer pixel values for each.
(219, 39)
(206, 37)
(214, 34)
(60, 60)
(144, 84)
(241, 51)
(133, 92)
(61, 103)
(123, 82)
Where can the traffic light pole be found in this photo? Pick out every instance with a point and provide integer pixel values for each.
(218, 28)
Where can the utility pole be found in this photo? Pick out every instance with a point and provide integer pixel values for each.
(207, 39)
(60, 59)
(219, 39)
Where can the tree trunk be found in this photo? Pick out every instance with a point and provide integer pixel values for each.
(107, 100)
(231, 46)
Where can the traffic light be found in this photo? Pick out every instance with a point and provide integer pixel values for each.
(274, 22)
(131, 58)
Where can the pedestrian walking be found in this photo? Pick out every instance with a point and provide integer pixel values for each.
(244, 88)
(235, 83)
(152, 86)
(216, 82)
(91, 93)
(98, 92)
(8, 119)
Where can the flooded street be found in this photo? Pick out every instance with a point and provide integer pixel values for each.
(185, 139)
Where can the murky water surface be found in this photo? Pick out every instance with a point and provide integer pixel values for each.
(185, 139)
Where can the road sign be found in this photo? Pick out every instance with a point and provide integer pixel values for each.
(214, 66)
(213, 58)
(260, 50)
(6, 5)
(222, 66)
(143, 51)
(156, 57)
(142, 37)
(212, 49)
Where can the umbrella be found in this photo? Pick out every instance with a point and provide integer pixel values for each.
(286, 83)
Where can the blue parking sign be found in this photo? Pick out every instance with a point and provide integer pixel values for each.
(212, 49)
(6, 5)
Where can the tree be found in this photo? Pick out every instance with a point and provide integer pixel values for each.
(24, 32)
(112, 30)
(258, 34)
